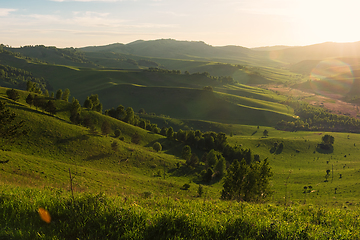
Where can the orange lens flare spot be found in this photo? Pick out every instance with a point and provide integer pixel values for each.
(44, 215)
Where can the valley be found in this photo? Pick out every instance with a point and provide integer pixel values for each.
(224, 102)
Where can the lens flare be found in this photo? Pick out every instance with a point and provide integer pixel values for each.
(332, 76)
(44, 215)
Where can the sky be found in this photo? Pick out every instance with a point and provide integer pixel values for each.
(247, 23)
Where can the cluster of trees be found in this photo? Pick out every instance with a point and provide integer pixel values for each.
(161, 70)
(247, 182)
(318, 119)
(221, 79)
(20, 78)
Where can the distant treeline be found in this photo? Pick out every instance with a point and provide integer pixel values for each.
(222, 79)
(318, 119)
(19, 78)
(71, 54)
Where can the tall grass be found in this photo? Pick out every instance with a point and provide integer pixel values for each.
(98, 216)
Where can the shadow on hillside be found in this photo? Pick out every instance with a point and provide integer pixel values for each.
(71, 139)
(38, 111)
(325, 149)
(98, 156)
(254, 133)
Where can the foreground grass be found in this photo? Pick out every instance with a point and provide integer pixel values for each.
(99, 216)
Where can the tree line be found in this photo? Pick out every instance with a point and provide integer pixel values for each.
(19, 78)
(318, 119)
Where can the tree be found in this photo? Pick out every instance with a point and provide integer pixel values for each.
(13, 94)
(50, 107)
(208, 175)
(142, 124)
(170, 133)
(117, 133)
(211, 158)
(66, 95)
(142, 111)
(129, 117)
(265, 133)
(247, 182)
(30, 86)
(220, 167)
(328, 139)
(75, 111)
(10, 126)
(186, 152)
(30, 99)
(59, 94)
(157, 146)
(105, 128)
(193, 161)
(88, 104)
(120, 111)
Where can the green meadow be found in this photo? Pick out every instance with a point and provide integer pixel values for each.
(93, 190)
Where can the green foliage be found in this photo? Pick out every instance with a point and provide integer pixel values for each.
(200, 190)
(186, 152)
(12, 94)
(157, 146)
(318, 119)
(59, 94)
(244, 182)
(265, 133)
(220, 167)
(30, 99)
(117, 133)
(211, 158)
(134, 218)
(328, 139)
(193, 161)
(170, 133)
(129, 115)
(10, 127)
(186, 186)
(66, 95)
(50, 107)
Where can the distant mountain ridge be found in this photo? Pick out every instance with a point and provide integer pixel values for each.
(173, 49)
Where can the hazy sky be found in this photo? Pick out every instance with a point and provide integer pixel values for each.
(248, 23)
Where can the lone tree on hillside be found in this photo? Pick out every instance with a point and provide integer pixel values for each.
(328, 139)
(327, 142)
(265, 133)
(157, 146)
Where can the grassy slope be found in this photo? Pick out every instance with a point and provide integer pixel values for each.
(60, 145)
(190, 103)
(54, 145)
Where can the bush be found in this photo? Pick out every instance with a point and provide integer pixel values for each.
(13, 94)
(157, 146)
(117, 133)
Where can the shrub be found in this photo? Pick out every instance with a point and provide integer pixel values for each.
(157, 146)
